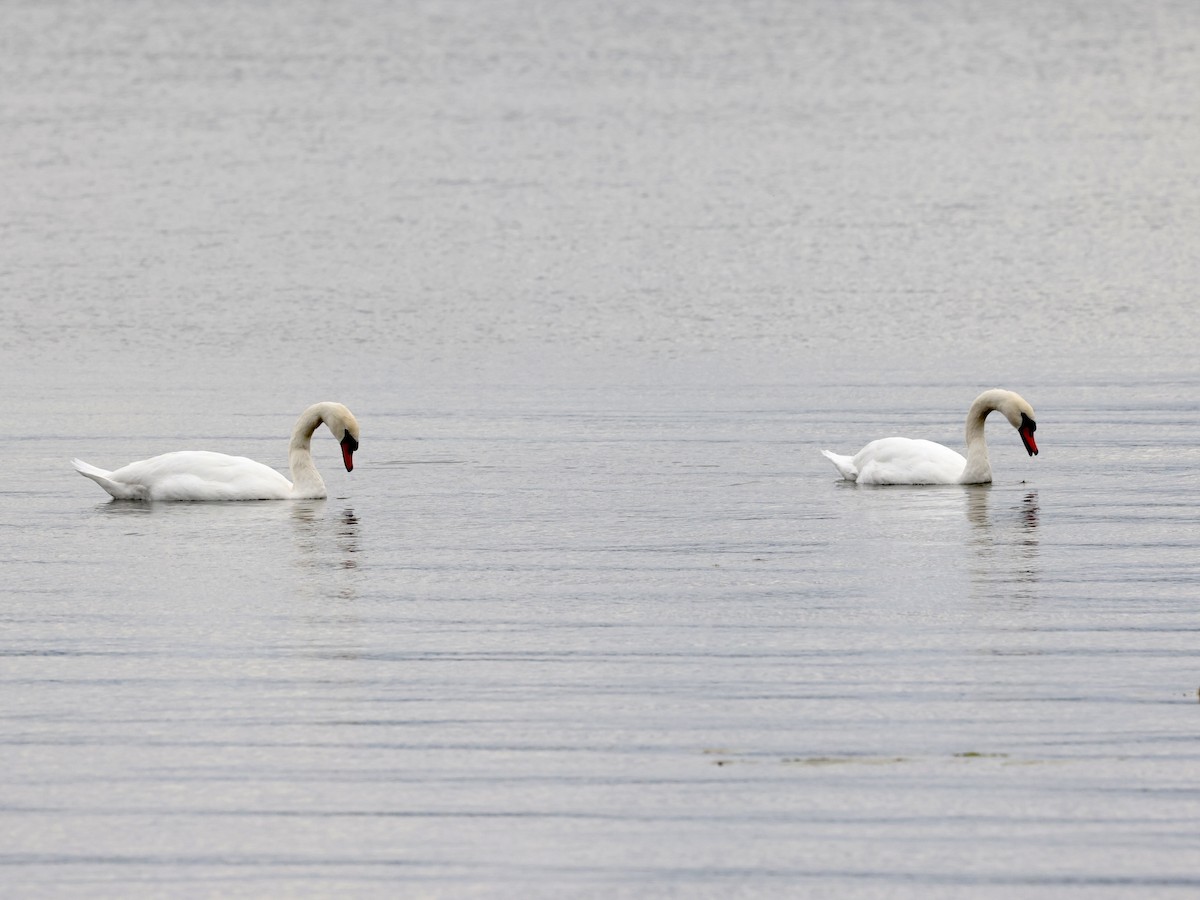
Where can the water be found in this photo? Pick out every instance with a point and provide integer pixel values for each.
(592, 617)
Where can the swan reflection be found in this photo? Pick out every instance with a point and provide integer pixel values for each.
(347, 539)
(1005, 554)
(327, 547)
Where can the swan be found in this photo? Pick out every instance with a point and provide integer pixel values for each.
(898, 460)
(203, 475)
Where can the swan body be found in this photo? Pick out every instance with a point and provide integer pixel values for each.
(899, 460)
(204, 475)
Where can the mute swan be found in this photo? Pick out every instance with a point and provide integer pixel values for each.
(202, 475)
(898, 460)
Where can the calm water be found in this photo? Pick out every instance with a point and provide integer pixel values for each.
(592, 617)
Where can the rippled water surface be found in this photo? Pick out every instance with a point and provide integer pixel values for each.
(592, 616)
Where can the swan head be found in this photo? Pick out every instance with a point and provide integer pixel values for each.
(1021, 417)
(344, 426)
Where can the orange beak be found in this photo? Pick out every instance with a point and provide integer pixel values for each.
(349, 445)
(1028, 427)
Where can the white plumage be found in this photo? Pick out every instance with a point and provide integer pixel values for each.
(900, 460)
(204, 475)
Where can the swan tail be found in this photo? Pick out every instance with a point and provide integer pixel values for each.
(844, 464)
(118, 490)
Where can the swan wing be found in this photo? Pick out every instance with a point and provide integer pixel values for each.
(898, 460)
(201, 475)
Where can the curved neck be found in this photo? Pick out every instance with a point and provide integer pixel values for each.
(979, 467)
(306, 480)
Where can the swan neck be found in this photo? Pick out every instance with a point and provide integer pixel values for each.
(309, 421)
(306, 480)
(979, 467)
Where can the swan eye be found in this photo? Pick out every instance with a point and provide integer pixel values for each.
(1028, 423)
(349, 441)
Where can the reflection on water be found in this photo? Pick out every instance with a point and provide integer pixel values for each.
(1004, 560)
(347, 540)
(305, 512)
(325, 543)
(1030, 510)
(977, 504)
(124, 508)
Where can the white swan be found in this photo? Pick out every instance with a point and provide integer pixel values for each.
(202, 475)
(898, 460)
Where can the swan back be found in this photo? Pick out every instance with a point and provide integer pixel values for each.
(195, 475)
(901, 460)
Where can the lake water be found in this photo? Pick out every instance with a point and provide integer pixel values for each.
(592, 616)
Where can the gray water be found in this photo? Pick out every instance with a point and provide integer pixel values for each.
(592, 616)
